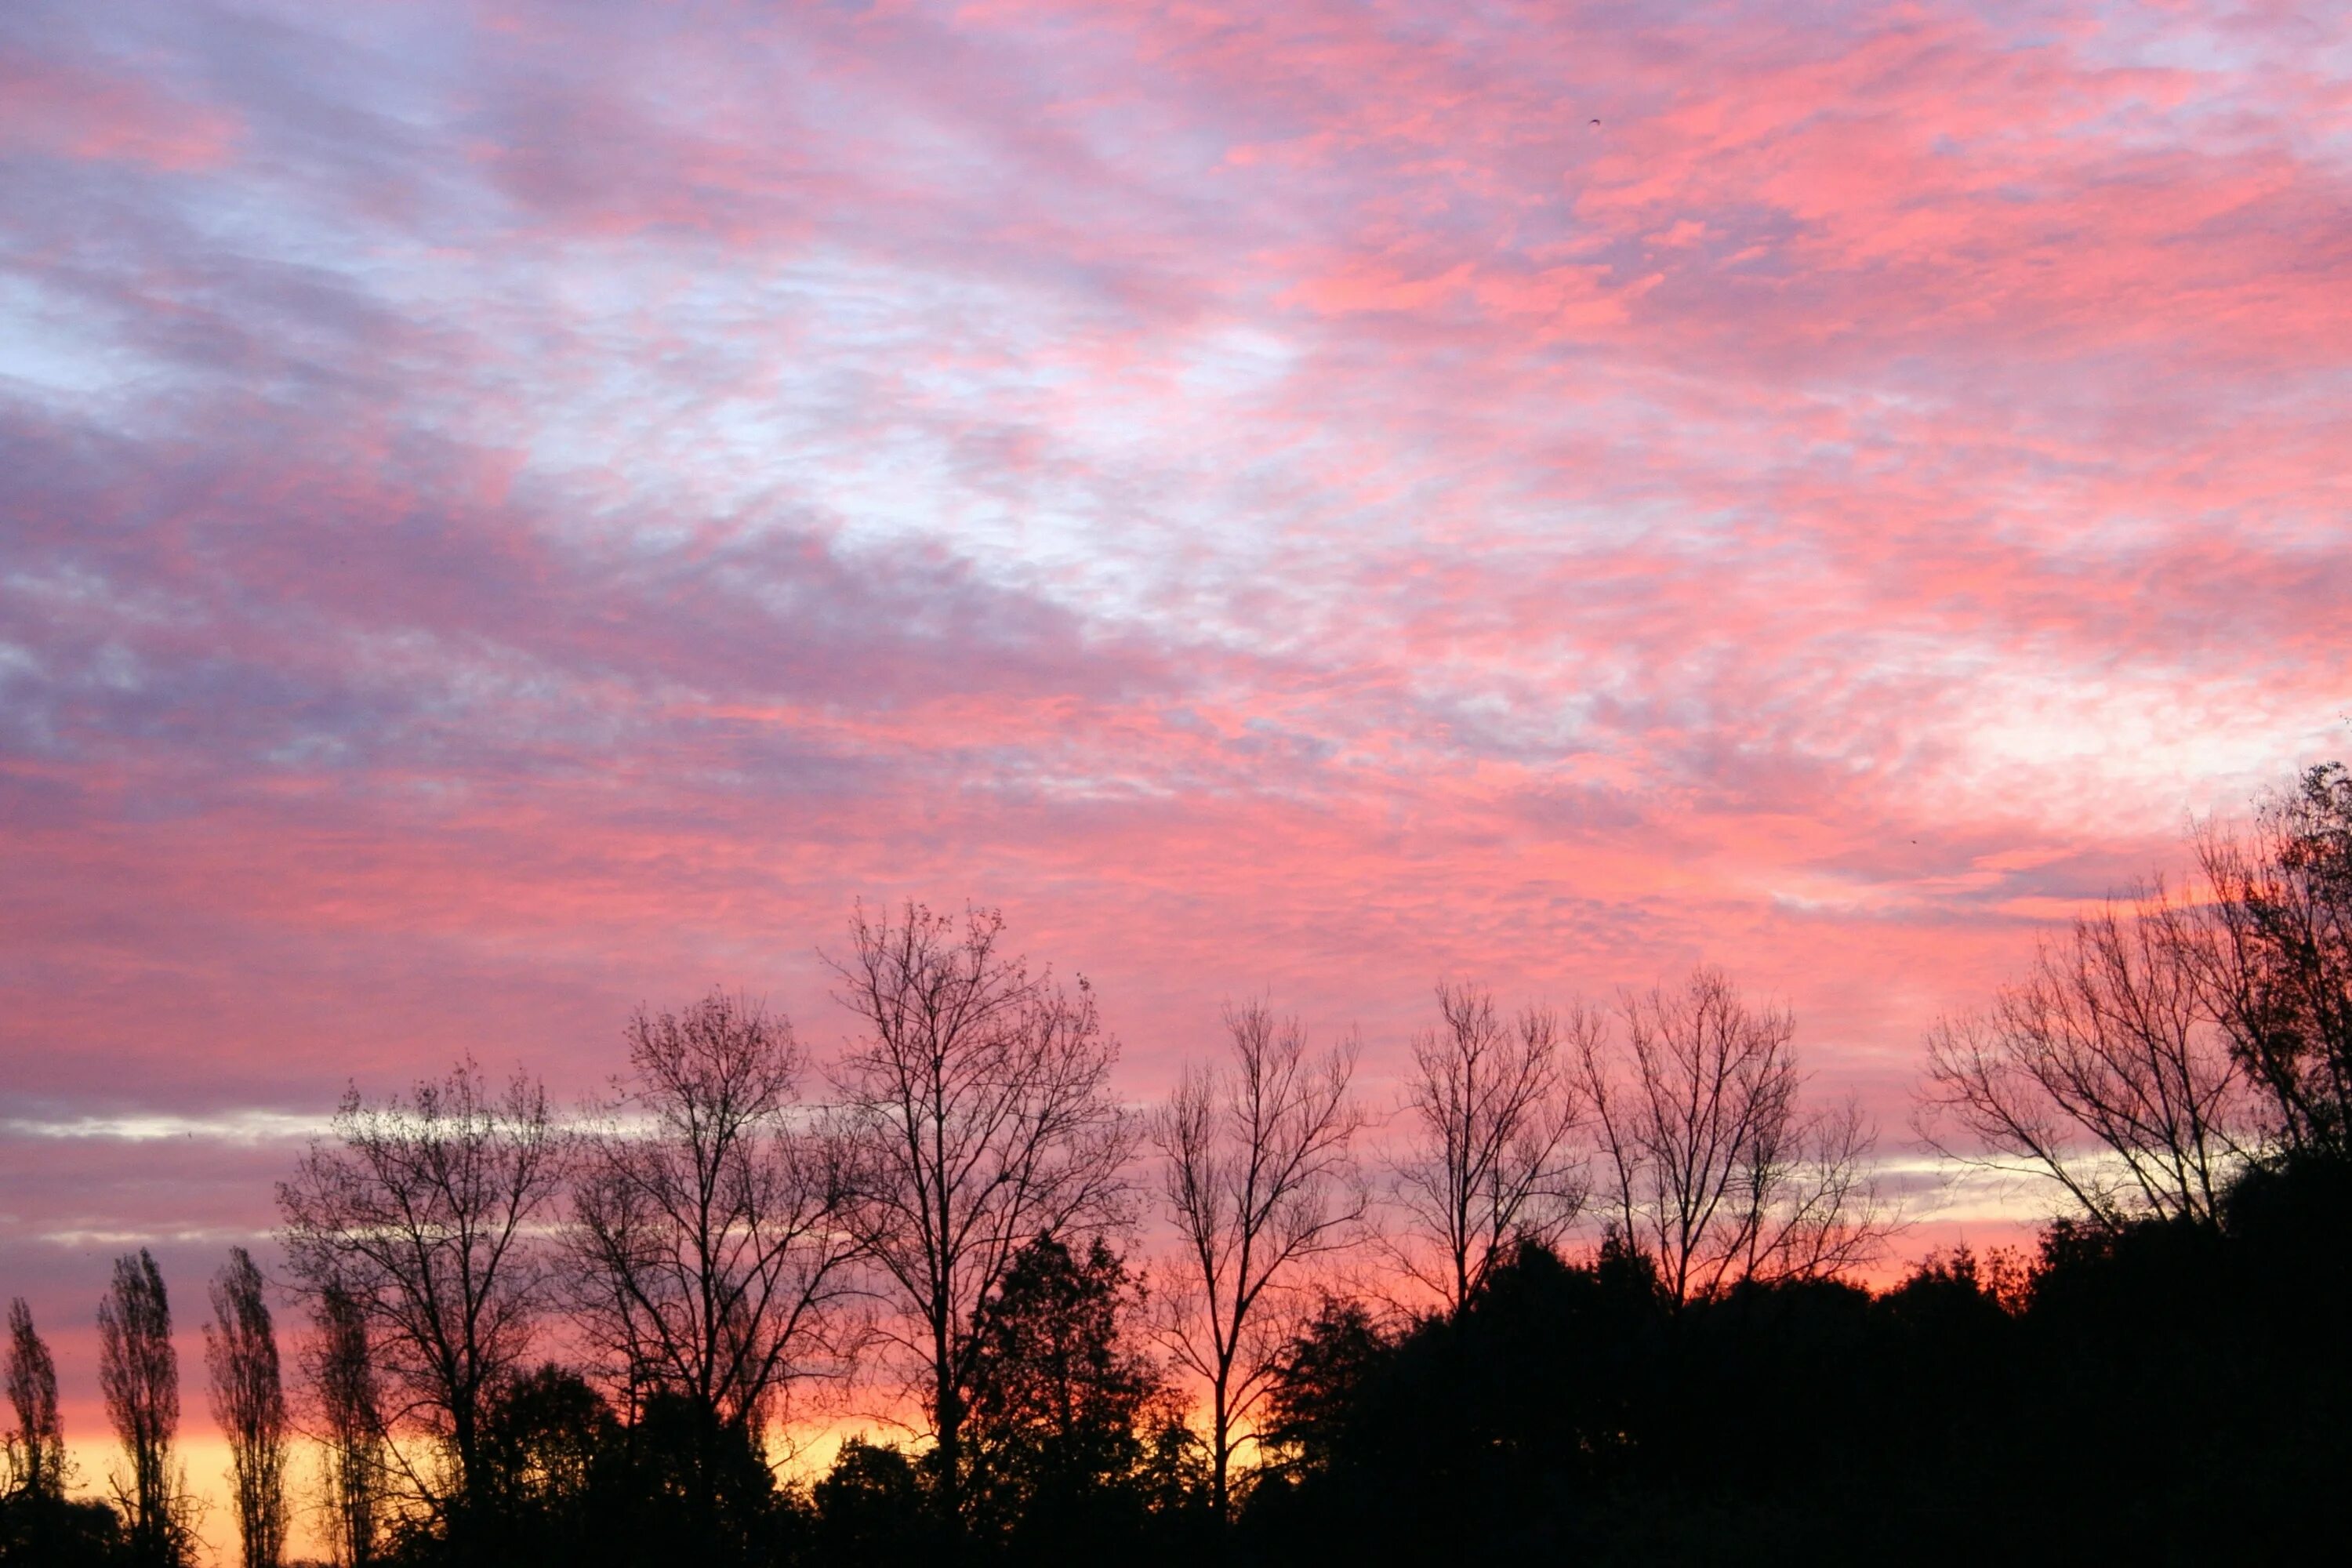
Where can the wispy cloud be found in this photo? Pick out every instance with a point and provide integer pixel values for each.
(233, 1127)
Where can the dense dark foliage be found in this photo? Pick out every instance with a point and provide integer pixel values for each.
(40, 1528)
(2169, 1392)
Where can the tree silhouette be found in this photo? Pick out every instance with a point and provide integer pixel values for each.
(1320, 1382)
(1494, 1106)
(547, 1439)
(350, 1405)
(2280, 974)
(1696, 1380)
(36, 1444)
(1259, 1182)
(39, 1522)
(1711, 1164)
(1060, 1394)
(709, 1230)
(2104, 1071)
(139, 1373)
(250, 1406)
(872, 1506)
(425, 1212)
(974, 1118)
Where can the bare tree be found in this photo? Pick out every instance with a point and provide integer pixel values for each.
(2279, 968)
(1712, 1167)
(708, 1225)
(139, 1373)
(249, 1404)
(1816, 1210)
(976, 1118)
(351, 1425)
(2104, 1071)
(1493, 1104)
(1259, 1183)
(424, 1211)
(36, 1446)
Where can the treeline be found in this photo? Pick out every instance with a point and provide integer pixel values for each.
(1598, 1300)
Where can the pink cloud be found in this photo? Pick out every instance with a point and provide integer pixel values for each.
(62, 111)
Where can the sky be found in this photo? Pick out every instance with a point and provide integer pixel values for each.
(510, 512)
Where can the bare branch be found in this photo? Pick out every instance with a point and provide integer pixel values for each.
(1710, 1165)
(972, 1117)
(2104, 1072)
(2278, 966)
(1495, 1105)
(708, 1225)
(1259, 1182)
(351, 1428)
(426, 1213)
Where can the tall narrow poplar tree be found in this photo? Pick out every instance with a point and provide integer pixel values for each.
(139, 1373)
(249, 1404)
(351, 1412)
(36, 1446)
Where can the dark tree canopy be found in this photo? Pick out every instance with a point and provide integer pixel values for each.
(1062, 1390)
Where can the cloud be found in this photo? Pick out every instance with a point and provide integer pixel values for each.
(515, 511)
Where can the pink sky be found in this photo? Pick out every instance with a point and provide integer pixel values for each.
(511, 510)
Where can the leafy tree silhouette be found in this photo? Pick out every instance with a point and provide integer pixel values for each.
(1062, 1398)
